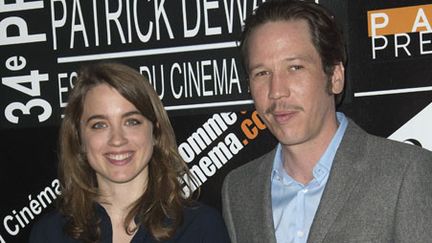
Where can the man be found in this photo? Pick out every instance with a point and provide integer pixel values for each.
(327, 180)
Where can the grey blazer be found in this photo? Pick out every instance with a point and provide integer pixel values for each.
(378, 191)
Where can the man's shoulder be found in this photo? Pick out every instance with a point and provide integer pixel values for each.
(399, 150)
(381, 148)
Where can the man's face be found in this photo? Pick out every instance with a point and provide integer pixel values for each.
(288, 83)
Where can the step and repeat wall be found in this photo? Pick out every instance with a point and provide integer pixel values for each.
(188, 49)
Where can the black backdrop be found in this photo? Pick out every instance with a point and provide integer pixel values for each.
(187, 48)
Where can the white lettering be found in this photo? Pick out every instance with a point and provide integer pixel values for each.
(210, 30)
(80, 27)
(7, 226)
(57, 23)
(398, 45)
(160, 11)
(423, 42)
(62, 89)
(194, 31)
(20, 5)
(175, 68)
(22, 37)
(151, 75)
(421, 21)
(375, 48)
(114, 16)
(15, 63)
(19, 220)
(142, 37)
(374, 22)
(205, 78)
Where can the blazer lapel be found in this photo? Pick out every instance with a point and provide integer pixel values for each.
(345, 173)
(262, 190)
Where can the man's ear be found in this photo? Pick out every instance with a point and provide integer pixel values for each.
(338, 79)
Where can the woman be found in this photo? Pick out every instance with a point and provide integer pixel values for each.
(119, 168)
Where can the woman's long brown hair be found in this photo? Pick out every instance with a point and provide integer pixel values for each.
(163, 198)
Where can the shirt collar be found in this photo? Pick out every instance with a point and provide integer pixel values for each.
(323, 167)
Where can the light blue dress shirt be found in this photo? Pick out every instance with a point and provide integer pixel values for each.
(294, 205)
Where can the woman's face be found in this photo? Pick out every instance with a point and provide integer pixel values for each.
(116, 137)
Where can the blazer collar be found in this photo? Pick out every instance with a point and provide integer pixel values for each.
(263, 197)
(345, 172)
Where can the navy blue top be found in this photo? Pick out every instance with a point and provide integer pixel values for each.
(200, 224)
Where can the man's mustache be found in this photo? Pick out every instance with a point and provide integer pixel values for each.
(282, 106)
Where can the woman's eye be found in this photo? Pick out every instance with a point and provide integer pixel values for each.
(98, 125)
(132, 122)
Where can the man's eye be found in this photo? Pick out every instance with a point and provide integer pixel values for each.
(98, 125)
(260, 74)
(295, 67)
(132, 122)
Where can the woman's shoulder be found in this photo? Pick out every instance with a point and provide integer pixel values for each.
(51, 221)
(202, 223)
(196, 212)
(49, 228)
